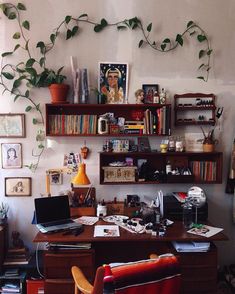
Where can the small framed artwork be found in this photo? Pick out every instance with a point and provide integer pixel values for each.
(12, 125)
(56, 177)
(18, 186)
(113, 82)
(11, 154)
(149, 90)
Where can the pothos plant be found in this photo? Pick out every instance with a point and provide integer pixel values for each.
(19, 78)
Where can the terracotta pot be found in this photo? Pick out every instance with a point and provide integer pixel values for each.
(59, 93)
(208, 147)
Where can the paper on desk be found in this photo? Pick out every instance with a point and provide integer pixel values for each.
(106, 231)
(205, 231)
(87, 220)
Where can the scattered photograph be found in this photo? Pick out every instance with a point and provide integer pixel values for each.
(11, 154)
(56, 178)
(18, 186)
(149, 90)
(12, 125)
(113, 81)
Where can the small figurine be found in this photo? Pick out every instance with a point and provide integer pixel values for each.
(139, 94)
(84, 151)
(156, 98)
(16, 241)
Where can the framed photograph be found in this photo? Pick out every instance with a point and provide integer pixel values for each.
(12, 125)
(149, 90)
(56, 177)
(11, 154)
(113, 82)
(20, 186)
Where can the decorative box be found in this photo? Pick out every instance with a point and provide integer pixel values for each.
(119, 174)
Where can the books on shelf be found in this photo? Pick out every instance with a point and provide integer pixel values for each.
(17, 256)
(10, 288)
(203, 170)
(68, 246)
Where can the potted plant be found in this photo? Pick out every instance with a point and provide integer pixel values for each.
(3, 213)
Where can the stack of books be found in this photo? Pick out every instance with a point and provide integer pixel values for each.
(17, 256)
(191, 246)
(10, 288)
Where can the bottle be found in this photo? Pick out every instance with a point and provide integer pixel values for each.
(156, 98)
(168, 167)
(171, 144)
(163, 96)
(187, 215)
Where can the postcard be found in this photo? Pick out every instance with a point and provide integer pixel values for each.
(106, 231)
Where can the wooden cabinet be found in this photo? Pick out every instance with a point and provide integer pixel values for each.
(57, 269)
(194, 109)
(204, 167)
(125, 119)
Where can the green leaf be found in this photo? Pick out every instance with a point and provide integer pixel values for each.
(201, 38)
(28, 108)
(134, 26)
(42, 46)
(40, 146)
(74, 30)
(31, 71)
(202, 65)
(121, 27)
(209, 52)
(68, 34)
(16, 83)
(27, 45)
(83, 15)
(16, 97)
(52, 38)
(208, 69)
(192, 33)
(98, 28)
(26, 24)
(163, 47)
(6, 54)
(35, 121)
(201, 53)
(16, 36)
(167, 40)
(16, 47)
(12, 15)
(60, 70)
(149, 27)
(21, 6)
(68, 18)
(8, 75)
(141, 42)
(27, 94)
(190, 23)
(103, 22)
(179, 39)
(201, 78)
(38, 106)
(30, 62)
(42, 61)
(154, 43)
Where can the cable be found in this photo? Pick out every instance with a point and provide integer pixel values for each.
(37, 262)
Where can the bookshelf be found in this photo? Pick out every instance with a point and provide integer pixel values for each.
(206, 168)
(82, 119)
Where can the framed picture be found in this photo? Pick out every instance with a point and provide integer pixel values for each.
(149, 90)
(56, 177)
(113, 82)
(11, 154)
(20, 186)
(12, 125)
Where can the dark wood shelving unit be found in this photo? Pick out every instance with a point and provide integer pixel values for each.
(127, 111)
(206, 168)
(188, 109)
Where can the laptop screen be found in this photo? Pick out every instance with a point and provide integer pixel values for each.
(50, 209)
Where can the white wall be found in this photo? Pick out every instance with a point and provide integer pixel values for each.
(175, 71)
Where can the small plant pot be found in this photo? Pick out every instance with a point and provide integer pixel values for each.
(59, 93)
(208, 147)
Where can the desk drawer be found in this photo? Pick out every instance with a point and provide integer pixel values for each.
(59, 286)
(58, 265)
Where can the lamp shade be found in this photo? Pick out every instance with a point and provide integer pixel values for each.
(81, 177)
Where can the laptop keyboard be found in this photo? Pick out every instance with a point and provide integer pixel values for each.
(56, 223)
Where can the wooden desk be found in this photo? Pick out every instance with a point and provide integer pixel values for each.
(199, 270)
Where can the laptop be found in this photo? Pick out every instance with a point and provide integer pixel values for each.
(53, 214)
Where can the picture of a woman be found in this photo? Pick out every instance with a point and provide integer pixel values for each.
(11, 155)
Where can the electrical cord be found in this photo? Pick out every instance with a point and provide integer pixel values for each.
(37, 261)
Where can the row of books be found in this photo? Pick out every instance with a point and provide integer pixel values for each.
(17, 256)
(72, 124)
(158, 122)
(203, 170)
(10, 288)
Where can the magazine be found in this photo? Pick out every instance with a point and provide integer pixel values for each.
(205, 231)
(106, 231)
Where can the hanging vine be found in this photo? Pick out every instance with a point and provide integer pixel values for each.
(33, 72)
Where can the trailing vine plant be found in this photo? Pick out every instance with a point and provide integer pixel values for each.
(18, 79)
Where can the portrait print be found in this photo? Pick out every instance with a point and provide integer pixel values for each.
(149, 91)
(55, 177)
(20, 186)
(12, 125)
(113, 82)
(11, 154)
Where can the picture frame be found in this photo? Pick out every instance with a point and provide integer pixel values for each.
(149, 90)
(113, 82)
(12, 125)
(11, 155)
(18, 186)
(56, 177)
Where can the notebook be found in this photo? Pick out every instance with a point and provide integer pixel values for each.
(53, 214)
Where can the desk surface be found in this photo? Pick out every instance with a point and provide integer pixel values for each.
(176, 232)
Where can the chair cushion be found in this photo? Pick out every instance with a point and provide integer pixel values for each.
(160, 275)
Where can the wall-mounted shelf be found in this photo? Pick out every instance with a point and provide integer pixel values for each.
(194, 109)
(206, 168)
(82, 119)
